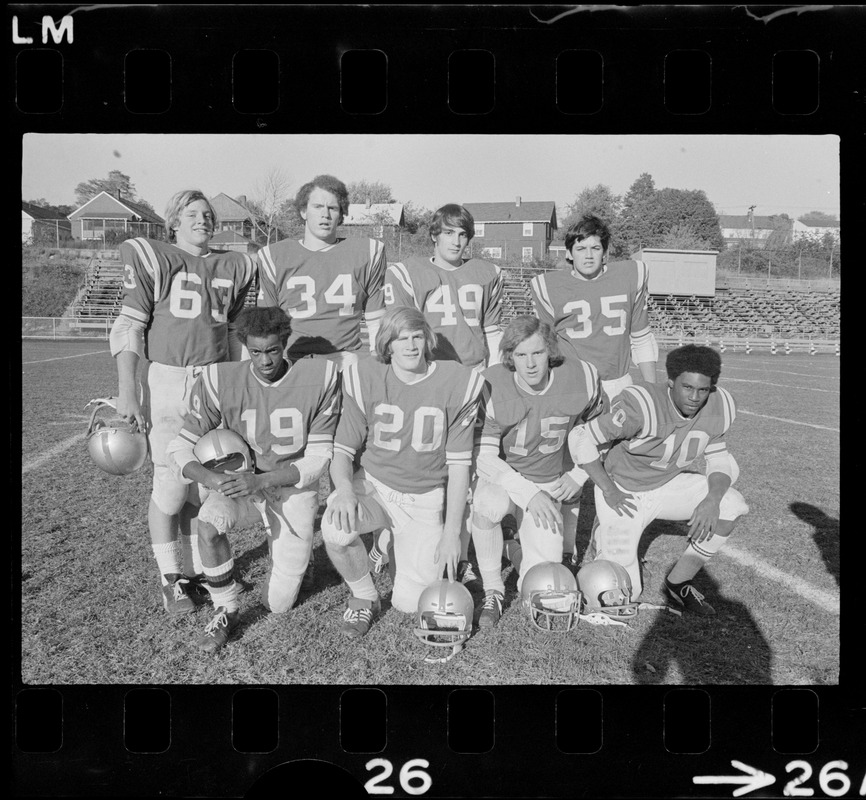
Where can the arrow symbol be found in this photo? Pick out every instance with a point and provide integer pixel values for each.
(755, 779)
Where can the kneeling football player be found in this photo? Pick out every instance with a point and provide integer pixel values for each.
(414, 419)
(287, 413)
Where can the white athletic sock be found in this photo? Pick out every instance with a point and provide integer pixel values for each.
(363, 588)
(169, 559)
(695, 557)
(191, 557)
(488, 551)
(222, 586)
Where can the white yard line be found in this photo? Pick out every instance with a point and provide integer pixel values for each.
(728, 379)
(61, 358)
(826, 600)
(789, 421)
(52, 452)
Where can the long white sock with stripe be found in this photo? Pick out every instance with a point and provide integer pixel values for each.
(694, 558)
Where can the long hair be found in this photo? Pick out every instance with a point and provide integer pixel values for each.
(519, 330)
(454, 215)
(587, 225)
(397, 320)
(327, 183)
(178, 203)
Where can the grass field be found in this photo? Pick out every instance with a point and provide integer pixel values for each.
(91, 610)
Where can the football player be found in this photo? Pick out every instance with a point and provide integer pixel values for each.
(180, 302)
(599, 310)
(531, 402)
(287, 413)
(414, 418)
(659, 431)
(461, 299)
(326, 284)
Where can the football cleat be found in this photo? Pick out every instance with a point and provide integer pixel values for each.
(116, 446)
(218, 630)
(491, 611)
(549, 591)
(222, 450)
(466, 572)
(444, 616)
(606, 588)
(688, 598)
(359, 616)
(175, 595)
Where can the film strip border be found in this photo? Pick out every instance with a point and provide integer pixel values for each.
(501, 742)
(579, 69)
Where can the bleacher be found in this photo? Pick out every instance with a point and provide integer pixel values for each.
(737, 309)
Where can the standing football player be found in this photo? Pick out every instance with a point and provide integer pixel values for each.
(414, 418)
(327, 285)
(599, 310)
(659, 431)
(461, 299)
(531, 402)
(287, 413)
(180, 302)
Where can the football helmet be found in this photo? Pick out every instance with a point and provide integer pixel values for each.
(222, 450)
(444, 616)
(550, 592)
(606, 587)
(116, 446)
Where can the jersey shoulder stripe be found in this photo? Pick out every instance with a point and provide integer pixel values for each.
(642, 275)
(266, 263)
(149, 261)
(539, 287)
(399, 271)
(210, 380)
(473, 387)
(647, 407)
(729, 407)
(352, 385)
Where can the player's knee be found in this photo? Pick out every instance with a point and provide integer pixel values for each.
(489, 505)
(207, 533)
(733, 506)
(334, 537)
(279, 592)
(219, 511)
(168, 494)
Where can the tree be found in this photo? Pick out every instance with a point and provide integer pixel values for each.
(375, 191)
(416, 218)
(683, 236)
(267, 204)
(116, 184)
(670, 207)
(598, 200)
(818, 219)
(635, 229)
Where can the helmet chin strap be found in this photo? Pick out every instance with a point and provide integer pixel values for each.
(431, 659)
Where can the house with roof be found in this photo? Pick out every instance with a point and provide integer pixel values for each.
(43, 223)
(522, 229)
(106, 217)
(232, 240)
(751, 230)
(377, 220)
(233, 216)
(803, 230)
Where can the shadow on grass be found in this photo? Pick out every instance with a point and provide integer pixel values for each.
(825, 534)
(727, 648)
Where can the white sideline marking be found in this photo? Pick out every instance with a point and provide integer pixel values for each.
(782, 385)
(826, 600)
(790, 421)
(61, 358)
(52, 453)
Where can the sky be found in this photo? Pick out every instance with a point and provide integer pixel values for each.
(775, 173)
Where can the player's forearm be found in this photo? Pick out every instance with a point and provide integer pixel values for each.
(598, 474)
(341, 472)
(197, 473)
(648, 371)
(456, 493)
(718, 484)
(284, 476)
(127, 369)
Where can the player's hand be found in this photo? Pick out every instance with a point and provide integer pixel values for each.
(704, 520)
(129, 408)
(544, 512)
(566, 489)
(447, 554)
(239, 484)
(621, 502)
(342, 510)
